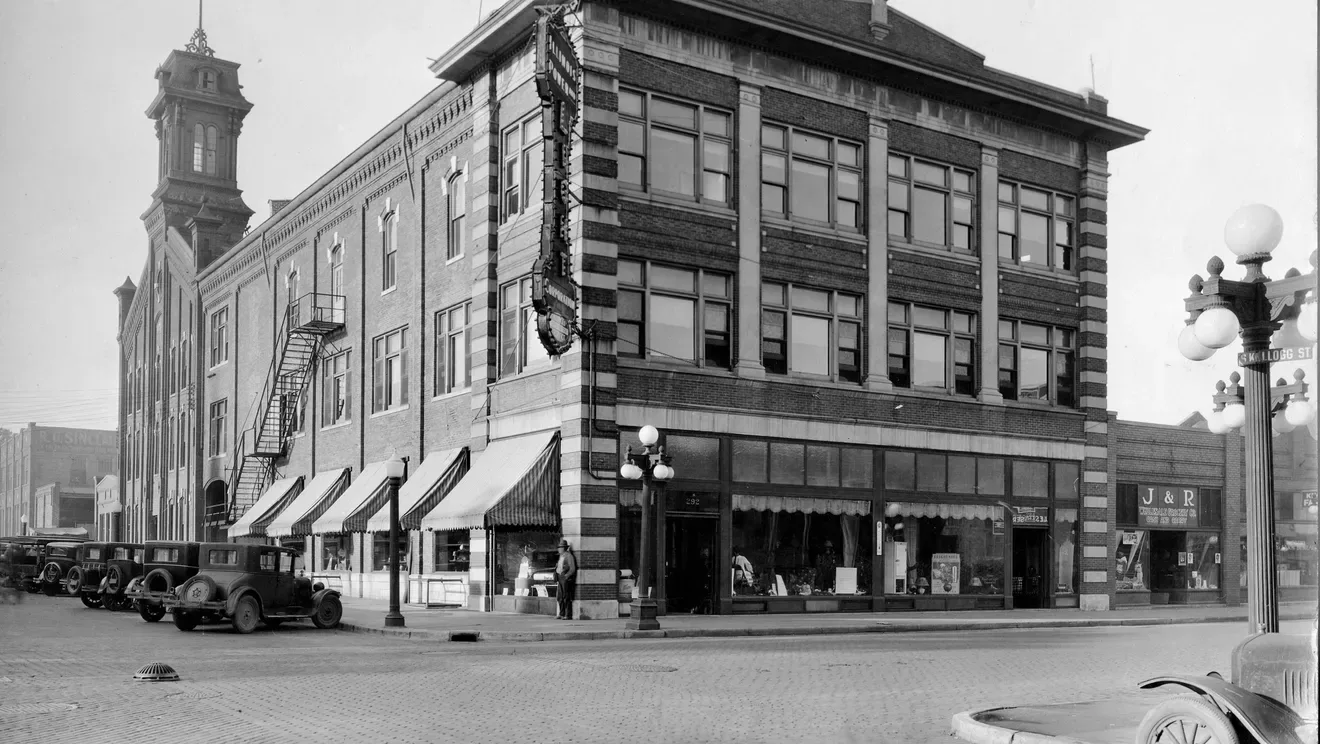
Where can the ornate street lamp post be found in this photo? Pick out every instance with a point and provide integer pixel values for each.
(648, 465)
(394, 468)
(1219, 310)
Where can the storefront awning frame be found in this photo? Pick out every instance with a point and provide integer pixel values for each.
(296, 519)
(512, 483)
(437, 475)
(254, 521)
(364, 494)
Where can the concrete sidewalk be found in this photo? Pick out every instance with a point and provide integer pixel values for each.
(368, 616)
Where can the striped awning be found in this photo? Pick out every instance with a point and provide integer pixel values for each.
(296, 519)
(425, 487)
(362, 499)
(254, 521)
(513, 483)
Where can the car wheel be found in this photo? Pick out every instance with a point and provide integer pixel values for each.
(113, 602)
(199, 588)
(32, 588)
(185, 620)
(75, 581)
(328, 612)
(159, 581)
(246, 614)
(114, 578)
(1186, 719)
(152, 613)
(91, 601)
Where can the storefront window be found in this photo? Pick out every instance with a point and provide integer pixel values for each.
(296, 544)
(337, 553)
(524, 562)
(380, 551)
(699, 457)
(630, 535)
(803, 546)
(451, 551)
(1132, 556)
(749, 461)
(1065, 551)
(1203, 560)
(943, 549)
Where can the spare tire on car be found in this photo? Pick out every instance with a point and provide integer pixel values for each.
(200, 588)
(114, 579)
(75, 581)
(158, 581)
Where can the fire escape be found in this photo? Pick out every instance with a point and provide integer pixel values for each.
(302, 334)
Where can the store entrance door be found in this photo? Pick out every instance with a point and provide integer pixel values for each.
(691, 558)
(1030, 567)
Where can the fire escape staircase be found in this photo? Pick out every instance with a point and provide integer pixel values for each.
(302, 335)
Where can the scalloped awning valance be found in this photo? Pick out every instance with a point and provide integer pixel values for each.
(748, 502)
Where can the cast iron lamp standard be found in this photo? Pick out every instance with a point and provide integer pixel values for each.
(1218, 311)
(394, 476)
(1288, 405)
(649, 464)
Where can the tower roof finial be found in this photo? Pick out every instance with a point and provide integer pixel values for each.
(197, 44)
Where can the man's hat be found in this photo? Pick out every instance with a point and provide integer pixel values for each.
(563, 543)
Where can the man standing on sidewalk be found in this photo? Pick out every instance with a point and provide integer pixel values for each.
(566, 578)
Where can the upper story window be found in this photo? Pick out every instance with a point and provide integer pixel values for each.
(1036, 227)
(207, 80)
(452, 371)
(674, 314)
(676, 148)
(811, 176)
(932, 348)
(1036, 363)
(219, 412)
(520, 346)
(337, 276)
(456, 201)
(389, 249)
(212, 137)
(811, 331)
(931, 203)
(522, 165)
(336, 392)
(220, 336)
(389, 357)
(205, 140)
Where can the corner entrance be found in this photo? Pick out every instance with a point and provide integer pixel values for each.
(1030, 568)
(691, 559)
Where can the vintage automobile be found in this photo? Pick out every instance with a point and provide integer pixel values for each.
(104, 573)
(165, 565)
(248, 584)
(56, 561)
(23, 559)
(84, 578)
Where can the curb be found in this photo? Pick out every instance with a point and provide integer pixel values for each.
(879, 626)
(967, 728)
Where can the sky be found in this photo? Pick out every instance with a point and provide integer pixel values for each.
(1228, 90)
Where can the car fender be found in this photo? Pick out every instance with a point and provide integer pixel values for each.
(101, 587)
(317, 597)
(1264, 718)
(231, 603)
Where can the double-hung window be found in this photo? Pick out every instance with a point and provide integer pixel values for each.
(389, 356)
(337, 282)
(811, 331)
(219, 411)
(1036, 227)
(452, 371)
(811, 176)
(668, 313)
(932, 348)
(675, 148)
(336, 394)
(520, 345)
(931, 203)
(220, 336)
(522, 166)
(456, 201)
(389, 251)
(1036, 363)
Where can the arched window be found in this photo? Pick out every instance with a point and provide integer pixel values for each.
(389, 234)
(211, 135)
(337, 281)
(457, 212)
(199, 134)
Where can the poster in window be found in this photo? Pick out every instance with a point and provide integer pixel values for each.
(945, 573)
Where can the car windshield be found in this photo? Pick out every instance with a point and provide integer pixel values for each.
(94, 554)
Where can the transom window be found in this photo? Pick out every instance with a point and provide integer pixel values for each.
(1036, 227)
(389, 250)
(811, 331)
(219, 337)
(389, 371)
(451, 350)
(932, 348)
(931, 203)
(669, 313)
(336, 393)
(520, 345)
(522, 165)
(811, 176)
(1036, 363)
(672, 147)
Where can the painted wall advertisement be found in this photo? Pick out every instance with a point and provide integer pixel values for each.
(1167, 506)
(945, 573)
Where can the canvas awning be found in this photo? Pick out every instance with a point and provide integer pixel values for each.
(425, 487)
(296, 519)
(513, 483)
(254, 520)
(364, 495)
(749, 502)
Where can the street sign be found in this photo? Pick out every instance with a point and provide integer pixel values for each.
(1288, 354)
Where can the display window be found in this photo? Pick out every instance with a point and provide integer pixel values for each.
(523, 562)
(380, 552)
(944, 548)
(1064, 543)
(1183, 560)
(451, 551)
(337, 553)
(790, 546)
(1131, 556)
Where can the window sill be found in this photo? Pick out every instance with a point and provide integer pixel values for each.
(821, 229)
(693, 205)
(957, 254)
(539, 369)
(455, 259)
(384, 292)
(1043, 407)
(1068, 276)
(338, 425)
(455, 393)
(389, 411)
(664, 365)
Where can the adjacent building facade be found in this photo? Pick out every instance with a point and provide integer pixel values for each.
(47, 476)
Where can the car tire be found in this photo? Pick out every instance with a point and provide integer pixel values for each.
(328, 613)
(158, 581)
(200, 588)
(113, 602)
(75, 581)
(90, 601)
(1171, 719)
(247, 613)
(185, 620)
(150, 612)
(114, 579)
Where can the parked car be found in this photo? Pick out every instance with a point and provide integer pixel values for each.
(83, 580)
(56, 561)
(105, 572)
(165, 565)
(248, 584)
(24, 559)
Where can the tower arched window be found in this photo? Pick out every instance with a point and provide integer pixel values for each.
(212, 134)
(199, 134)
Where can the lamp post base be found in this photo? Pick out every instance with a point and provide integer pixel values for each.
(643, 615)
(393, 620)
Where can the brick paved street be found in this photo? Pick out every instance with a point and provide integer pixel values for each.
(66, 676)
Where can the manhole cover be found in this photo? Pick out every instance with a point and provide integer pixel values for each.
(644, 668)
(28, 709)
(195, 695)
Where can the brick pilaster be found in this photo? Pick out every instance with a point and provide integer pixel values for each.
(1097, 590)
(749, 233)
(877, 255)
(988, 240)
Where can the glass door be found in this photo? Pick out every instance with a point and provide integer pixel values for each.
(691, 560)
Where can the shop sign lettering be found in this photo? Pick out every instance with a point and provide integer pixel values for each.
(1168, 506)
(1031, 515)
(1308, 499)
